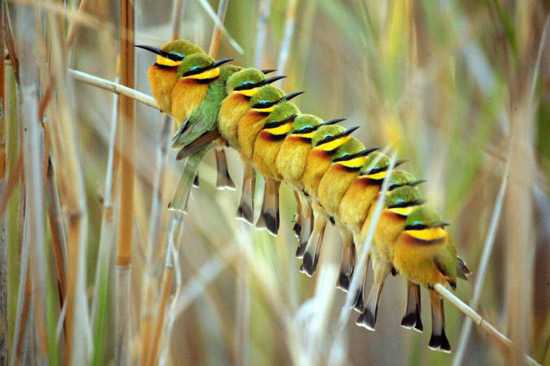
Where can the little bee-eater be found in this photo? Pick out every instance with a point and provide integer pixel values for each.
(291, 162)
(357, 200)
(346, 163)
(425, 256)
(399, 203)
(163, 74)
(240, 88)
(249, 126)
(266, 149)
(325, 142)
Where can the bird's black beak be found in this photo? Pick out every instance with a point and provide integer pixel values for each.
(272, 79)
(363, 152)
(219, 63)
(292, 95)
(169, 55)
(332, 121)
(274, 124)
(348, 132)
(268, 71)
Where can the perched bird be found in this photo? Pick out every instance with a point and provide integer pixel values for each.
(163, 74)
(266, 148)
(291, 163)
(250, 124)
(197, 96)
(399, 203)
(356, 202)
(325, 142)
(346, 163)
(424, 255)
(240, 88)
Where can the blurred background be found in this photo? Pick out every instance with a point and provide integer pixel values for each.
(459, 88)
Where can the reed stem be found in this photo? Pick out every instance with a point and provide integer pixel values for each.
(126, 147)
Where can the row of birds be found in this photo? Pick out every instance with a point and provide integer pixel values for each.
(334, 176)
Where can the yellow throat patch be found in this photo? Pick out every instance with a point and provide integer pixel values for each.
(205, 75)
(163, 61)
(334, 144)
(428, 234)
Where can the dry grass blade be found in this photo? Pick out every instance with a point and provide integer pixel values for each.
(69, 177)
(113, 87)
(336, 351)
(219, 23)
(33, 145)
(126, 146)
(177, 11)
(286, 44)
(261, 31)
(482, 268)
(106, 243)
(479, 321)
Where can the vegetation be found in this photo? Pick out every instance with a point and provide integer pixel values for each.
(100, 265)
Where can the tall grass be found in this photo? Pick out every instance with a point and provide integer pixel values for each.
(96, 268)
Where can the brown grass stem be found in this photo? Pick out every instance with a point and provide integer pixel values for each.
(177, 14)
(69, 177)
(126, 146)
(33, 145)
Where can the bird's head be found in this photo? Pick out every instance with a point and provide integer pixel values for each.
(400, 178)
(403, 200)
(200, 66)
(268, 96)
(376, 166)
(352, 154)
(305, 125)
(279, 122)
(330, 137)
(172, 53)
(248, 81)
(424, 224)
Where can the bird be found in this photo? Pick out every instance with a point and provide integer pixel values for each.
(425, 255)
(250, 124)
(355, 204)
(163, 73)
(266, 148)
(325, 142)
(240, 88)
(291, 163)
(398, 204)
(197, 96)
(346, 163)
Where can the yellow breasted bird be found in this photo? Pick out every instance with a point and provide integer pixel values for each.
(240, 88)
(425, 255)
(266, 149)
(399, 203)
(291, 162)
(325, 142)
(250, 125)
(196, 100)
(162, 74)
(356, 202)
(346, 163)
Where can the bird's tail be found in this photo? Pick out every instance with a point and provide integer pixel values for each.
(313, 247)
(246, 206)
(438, 340)
(269, 216)
(223, 181)
(412, 318)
